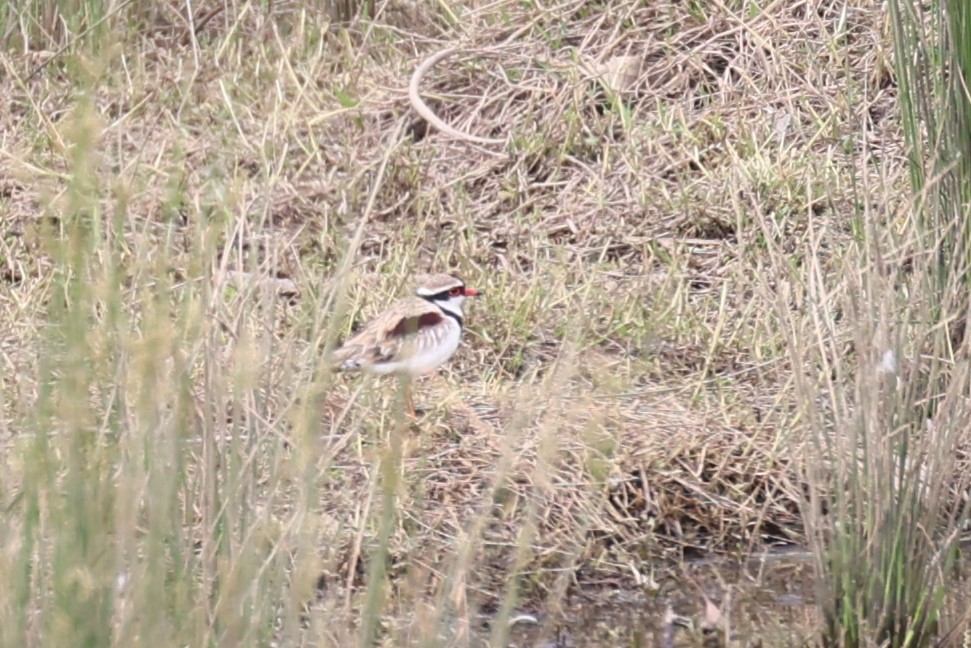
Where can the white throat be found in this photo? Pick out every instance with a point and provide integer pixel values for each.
(453, 306)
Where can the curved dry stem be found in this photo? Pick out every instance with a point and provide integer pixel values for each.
(428, 114)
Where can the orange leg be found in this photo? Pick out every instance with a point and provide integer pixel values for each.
(406, 384)
(410, 401)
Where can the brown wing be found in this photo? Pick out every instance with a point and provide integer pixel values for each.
(384, 337)
(412, 324)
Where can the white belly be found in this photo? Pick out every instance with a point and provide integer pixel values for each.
(425, 352)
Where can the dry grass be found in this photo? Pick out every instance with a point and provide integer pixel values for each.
(623, 395)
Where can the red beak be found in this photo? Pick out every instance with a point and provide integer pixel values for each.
(471, 292)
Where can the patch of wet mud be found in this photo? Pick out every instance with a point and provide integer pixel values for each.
(764, 602)
(768, 602)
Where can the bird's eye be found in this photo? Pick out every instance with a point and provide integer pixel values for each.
(455, 292)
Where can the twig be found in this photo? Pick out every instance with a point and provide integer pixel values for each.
(428, 114)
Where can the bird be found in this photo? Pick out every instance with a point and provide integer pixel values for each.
(414, 336)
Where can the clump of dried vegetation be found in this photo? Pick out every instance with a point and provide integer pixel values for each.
(692, 235)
